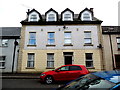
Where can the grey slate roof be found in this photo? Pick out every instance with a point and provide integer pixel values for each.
(10, 31)
(111, 29)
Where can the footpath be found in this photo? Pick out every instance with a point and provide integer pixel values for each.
(20, 75)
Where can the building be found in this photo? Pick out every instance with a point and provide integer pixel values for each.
(51, 40)
(9, 46)
(111, 47)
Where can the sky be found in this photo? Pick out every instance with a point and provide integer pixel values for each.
(12, 12)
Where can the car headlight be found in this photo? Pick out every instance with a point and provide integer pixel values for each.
(42, 74)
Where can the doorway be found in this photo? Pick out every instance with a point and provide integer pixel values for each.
(117, 61)
(68, 58)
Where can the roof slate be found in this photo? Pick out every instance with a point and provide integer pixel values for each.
(10, 31)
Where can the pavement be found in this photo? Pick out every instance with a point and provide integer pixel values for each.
(20, 75)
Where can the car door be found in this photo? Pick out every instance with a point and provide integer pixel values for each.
(75, 72)
(62, 73)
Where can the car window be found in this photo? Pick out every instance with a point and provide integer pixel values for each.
(73, 68)
(65, 68)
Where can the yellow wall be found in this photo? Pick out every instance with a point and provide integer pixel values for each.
(41, 59)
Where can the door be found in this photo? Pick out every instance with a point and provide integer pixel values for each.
(117, 61)
(68, 58)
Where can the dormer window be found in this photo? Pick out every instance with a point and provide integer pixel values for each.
(33, 17)
(51, 17)
(67, 17)
(86, 16)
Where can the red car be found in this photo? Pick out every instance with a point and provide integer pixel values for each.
(64, 73)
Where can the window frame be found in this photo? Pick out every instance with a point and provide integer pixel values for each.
(49, 38)
(29, 42)
(118, 43)
(33, 17)
(68, 38)
(49, 17)
(50, 62)
(31, 61)
(3, 45)
(87, 38)
(2, 61)
(89, 60)
(67, 18)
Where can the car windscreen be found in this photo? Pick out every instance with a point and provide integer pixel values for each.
(88, 81)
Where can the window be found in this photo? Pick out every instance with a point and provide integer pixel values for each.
(33, 17)
(74, 68)
(118, 43)
(87, 37)
(4, 42)
(32, 38)
(65, 68)
(51, 17)
(89, 59)
(67, 17)
(50, 60)
(51, 38)
(30, 62)
(86, 16)
(2, 61)
(67, 38)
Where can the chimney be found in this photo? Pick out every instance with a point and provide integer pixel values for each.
(91, 9)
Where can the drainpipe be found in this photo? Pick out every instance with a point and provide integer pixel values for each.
(112, 51)
(15, 44)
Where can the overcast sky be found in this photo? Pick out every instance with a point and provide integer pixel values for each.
(12, 12)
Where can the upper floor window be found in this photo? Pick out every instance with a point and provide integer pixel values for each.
(51, 38)
(118, 43)
(32, 38)
(2, 61)
(33, 17)
(67, 38)
(86, 16)
(67, 17)
(4, 42)
(51, 17)
(87, 37)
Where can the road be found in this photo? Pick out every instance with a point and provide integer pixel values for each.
(27, 84)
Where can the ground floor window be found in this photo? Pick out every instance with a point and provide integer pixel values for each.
(89, 59)
(2, 62)
(117, 61)
(50, 60)
(30, 62)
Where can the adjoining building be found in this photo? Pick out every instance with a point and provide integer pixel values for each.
(9, 48)
(51, 40)
(111, 47)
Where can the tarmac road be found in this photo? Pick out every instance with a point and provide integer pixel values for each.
(27, 84)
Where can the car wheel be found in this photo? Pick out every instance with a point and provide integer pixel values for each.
(49, 79)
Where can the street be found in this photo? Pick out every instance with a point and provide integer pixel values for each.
(27, 84)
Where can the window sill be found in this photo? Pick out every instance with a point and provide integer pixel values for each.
(31, 45)
(67, 45)
(48, 45)
(90, 67)
(30, 68)
(2, 67)
(88, 44)
(3, 46)
(50, 68)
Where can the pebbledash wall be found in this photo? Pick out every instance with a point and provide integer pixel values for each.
(77, 48)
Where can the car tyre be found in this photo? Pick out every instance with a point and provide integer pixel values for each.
(49, 80)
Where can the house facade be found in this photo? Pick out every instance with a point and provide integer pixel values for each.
(51, 40)
(111, 47)
(9, 46)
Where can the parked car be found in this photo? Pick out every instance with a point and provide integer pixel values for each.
(63, 73)
(104, 80)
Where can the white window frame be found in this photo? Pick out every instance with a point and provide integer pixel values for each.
(2, 61)
(30, 62)
(49, 38)
(54, 16)
(33, 17)
(65, 18)
(87, 38)
(50, 60)
(29, 43)
(118, 43)
(68, 38)
(86, 16)
(5, 43)
(33, 20)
